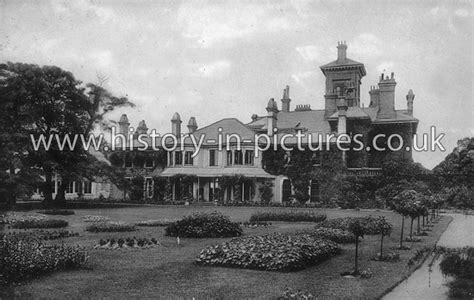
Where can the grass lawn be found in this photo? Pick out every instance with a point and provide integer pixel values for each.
(168, 271)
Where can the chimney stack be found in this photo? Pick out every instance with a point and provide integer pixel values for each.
(272, 110)
(374, 96)
(341, 51)
(285, 101)
(410, 98)
(124, 124)
(192, 125)
(176, 125)
(387, 97)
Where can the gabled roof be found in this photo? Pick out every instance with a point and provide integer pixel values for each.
(228, 126)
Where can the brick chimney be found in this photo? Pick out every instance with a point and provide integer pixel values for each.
(387, 97)
(374, 96)
(285, 101)
(272, 110)
(192, 125)
(341, 51)
(410, 98)
(176, 125)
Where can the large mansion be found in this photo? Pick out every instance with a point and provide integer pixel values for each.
(206, 176)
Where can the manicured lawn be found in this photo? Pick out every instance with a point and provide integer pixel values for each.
(168, 270)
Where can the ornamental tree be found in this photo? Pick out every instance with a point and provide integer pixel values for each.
(357, 228)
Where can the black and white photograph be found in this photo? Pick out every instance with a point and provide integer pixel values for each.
(247, 149)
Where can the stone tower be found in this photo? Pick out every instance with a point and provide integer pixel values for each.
(343, 79)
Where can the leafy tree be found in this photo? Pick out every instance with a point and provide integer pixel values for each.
(403, 204)
(385, 229)
(47, 101)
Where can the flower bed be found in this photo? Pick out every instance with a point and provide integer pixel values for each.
(43, 234)
(333, 234)
(110, 227)
(38, 223)
(155, 223)
(95, 219)
(271, 252)
(204, 225)
(61, 212)
(127, 243)
(21, 259)
(288, 216)
(369, 223)
(256, 224)
(390, 257)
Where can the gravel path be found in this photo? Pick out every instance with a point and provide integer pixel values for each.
(423, 284)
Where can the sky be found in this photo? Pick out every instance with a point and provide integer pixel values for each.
(219, 59)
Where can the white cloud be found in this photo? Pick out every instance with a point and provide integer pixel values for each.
(217, 68)
(210, 24)
(386, 67)
(310, 53)
(87, 8)
(365, 44)
(461, 12)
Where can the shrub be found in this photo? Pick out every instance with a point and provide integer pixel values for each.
(204, 225)
(460, 265)
(126, 243)
(20, 259)
(369, 223)
(38, 223)
(110, 227)
(61, 212)
(93, 219)
(44, 234)
(271, 252)
(288, 216)
(333, 234)
(154, 223)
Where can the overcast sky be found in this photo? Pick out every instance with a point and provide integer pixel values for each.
(222, 59)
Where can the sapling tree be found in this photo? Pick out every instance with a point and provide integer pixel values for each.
(385, 229)
(357, 228)
(402, 205)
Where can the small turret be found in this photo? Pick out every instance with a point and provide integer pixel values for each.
(176, 125)
(410, 98)
(141, 129)
(124, 124)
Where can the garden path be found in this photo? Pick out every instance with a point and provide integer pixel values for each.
(426, 284)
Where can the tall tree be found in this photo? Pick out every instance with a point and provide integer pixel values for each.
(47, 101)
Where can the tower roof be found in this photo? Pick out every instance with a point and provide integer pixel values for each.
(123, 119)
(176, 117)
(342, 62)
